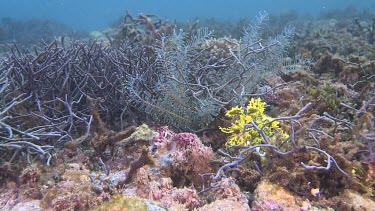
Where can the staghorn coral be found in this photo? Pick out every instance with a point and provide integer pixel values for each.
(46, 92)
(17, 137)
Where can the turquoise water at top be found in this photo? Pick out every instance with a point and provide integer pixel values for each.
(98, 14)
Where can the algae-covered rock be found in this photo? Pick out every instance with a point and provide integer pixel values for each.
(351, 200)
(32, 205)
(270, 196)
(121, 203)
(141, 133)
(225, 204)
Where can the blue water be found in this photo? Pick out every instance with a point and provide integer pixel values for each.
(98, 14)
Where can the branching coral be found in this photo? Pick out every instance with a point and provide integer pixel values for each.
(44, 96)
(18, 139)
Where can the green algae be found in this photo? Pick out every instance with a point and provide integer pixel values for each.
(121, 203)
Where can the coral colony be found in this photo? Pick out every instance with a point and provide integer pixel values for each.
(151, 117)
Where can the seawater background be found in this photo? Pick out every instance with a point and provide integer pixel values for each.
(98, 14)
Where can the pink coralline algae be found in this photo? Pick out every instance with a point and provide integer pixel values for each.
(164, 134)
(185, 154)
(185, 138)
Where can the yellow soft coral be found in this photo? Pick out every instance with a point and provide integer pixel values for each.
(250, 136)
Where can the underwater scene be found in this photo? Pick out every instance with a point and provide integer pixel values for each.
(187, 105)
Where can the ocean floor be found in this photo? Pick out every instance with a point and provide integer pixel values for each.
(322, 98)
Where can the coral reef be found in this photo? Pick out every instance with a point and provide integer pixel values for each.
(154, 186)
(345, 32)
(69, 114)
